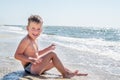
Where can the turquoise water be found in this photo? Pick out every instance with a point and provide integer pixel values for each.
(108, 34)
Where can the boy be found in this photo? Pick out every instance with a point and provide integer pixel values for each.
(37, 62)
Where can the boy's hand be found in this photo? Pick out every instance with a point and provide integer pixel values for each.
(52, 47)
(35, 60)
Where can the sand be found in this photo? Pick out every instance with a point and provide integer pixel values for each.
(11, 69)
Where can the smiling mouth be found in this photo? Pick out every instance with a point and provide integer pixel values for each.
(35, 35)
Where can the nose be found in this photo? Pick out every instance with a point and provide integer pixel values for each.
(37, 31)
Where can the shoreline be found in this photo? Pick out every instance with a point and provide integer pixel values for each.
(12, 69)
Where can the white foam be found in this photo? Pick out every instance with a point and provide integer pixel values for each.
(96, 46)
(13, 29)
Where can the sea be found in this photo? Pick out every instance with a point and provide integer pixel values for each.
(92, 50)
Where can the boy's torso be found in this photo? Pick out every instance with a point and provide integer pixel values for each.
(30, 50)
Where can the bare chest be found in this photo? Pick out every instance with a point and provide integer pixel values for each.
(31, 50)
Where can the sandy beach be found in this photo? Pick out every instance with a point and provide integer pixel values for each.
(86, 62)
(12, 70)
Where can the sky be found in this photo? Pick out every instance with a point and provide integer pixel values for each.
(97, 13)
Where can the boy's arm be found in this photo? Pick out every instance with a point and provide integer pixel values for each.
(47, 50)
(19, 54)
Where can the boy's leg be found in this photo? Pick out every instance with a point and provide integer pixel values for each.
(50, 65)
(39, 68)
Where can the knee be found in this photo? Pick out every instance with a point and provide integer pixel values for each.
(53, 54)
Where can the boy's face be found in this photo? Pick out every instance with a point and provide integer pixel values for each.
(34, 29)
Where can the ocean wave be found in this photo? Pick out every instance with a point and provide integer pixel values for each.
(13, 29)
(101, 47)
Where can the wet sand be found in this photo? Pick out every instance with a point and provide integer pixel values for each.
(11, 69)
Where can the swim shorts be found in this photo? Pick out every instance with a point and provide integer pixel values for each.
(27, 68)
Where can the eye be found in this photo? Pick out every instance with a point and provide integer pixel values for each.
(33, 28)
(38, 29)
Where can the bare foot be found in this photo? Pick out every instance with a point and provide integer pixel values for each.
(79, 74)
(72, 74)
(68, 75)
(76, 72)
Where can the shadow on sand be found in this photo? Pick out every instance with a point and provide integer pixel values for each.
(21, 75)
